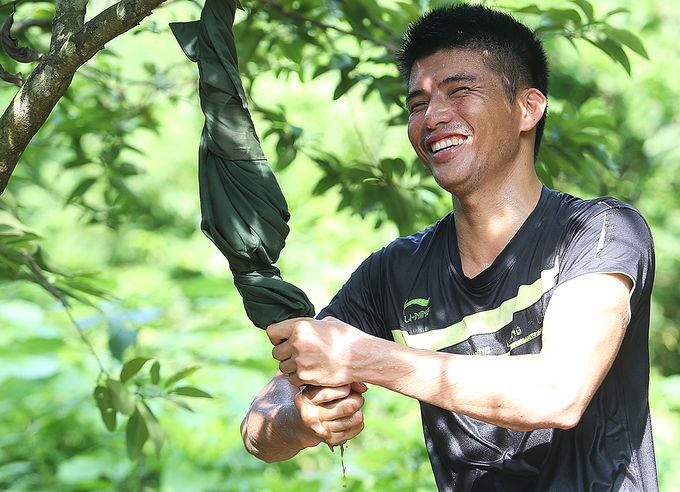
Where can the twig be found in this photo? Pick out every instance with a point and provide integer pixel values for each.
(10, 3)
(52, 290)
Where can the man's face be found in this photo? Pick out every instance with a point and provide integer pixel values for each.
(461, 123)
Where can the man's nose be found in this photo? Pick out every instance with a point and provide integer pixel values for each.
(438, 112)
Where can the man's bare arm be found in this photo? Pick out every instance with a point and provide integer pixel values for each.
(283, 420)
(582, 332)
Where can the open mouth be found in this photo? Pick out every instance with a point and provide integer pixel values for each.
(447, 143)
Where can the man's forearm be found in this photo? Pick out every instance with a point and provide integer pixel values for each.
(550, 389)
(272, 429)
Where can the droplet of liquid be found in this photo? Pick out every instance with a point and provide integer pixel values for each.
(342, 462)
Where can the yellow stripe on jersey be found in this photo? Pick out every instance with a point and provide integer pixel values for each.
(483, 322)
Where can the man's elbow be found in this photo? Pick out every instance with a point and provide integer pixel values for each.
(568, 410)
(567, 420)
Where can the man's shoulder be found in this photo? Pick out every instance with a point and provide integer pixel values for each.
(439, 232)
(573, 207)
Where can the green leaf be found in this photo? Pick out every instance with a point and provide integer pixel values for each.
(587, 8)
(132, 367)
(123, 400)
(286, 152)
(180, 375)
(120, 339)
(104, 399)
(177, 401)
(393, 166)
(154, 429)
(618, 10)
(127, 169)
(155, 372)
(190, 391)
(530, 9)
(136, 435)
(563, 16)
(80, 190)
(613, 49)
(324, 184)
(626, 38)
(345, 84)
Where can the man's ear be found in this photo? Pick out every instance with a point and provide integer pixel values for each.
(534, 104)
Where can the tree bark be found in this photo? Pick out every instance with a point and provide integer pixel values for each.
(73, 44)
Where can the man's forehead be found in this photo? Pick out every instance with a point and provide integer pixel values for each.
(449, 65)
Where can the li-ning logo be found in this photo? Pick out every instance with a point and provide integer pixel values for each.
(419, 313)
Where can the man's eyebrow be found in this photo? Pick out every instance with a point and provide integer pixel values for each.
(459, 77)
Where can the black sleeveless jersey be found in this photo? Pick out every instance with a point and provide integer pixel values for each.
(414, 292)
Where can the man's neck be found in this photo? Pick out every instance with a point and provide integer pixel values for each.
(485, 223)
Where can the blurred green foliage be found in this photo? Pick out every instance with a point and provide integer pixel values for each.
(131, 293)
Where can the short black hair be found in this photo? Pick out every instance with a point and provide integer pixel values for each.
(516, 54)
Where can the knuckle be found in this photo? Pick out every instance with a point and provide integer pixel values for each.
(350, 406)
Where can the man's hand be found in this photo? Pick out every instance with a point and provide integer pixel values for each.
(334, 414)
(313, 352)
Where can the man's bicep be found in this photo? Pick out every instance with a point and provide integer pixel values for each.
(583, 328)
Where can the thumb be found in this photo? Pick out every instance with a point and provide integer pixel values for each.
(359, 387)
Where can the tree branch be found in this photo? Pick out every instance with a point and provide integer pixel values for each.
(69, 16)
(34, 102)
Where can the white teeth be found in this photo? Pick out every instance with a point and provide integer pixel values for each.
(449, 142)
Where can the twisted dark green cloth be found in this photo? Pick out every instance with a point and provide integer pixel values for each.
(243, 209)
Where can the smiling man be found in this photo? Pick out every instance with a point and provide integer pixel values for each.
(519, 321)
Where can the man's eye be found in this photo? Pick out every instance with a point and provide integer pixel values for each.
(417, 107)
(459, 90)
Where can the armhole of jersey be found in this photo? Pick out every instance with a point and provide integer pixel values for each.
(614, 272)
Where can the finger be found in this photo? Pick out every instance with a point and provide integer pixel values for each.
(288, 367)
(350, 431)
(279, 332)
(346, 424)
(282, 351)
(322, 394)
(339, 409)
(292, 375)
(359, 387)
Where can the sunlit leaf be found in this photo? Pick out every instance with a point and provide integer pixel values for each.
(324, 185)
(104, 399)
(132, 367)
(563, 16)
(81, 189)
(154, 429)
(191, 392)
(136, 434)
(155, 372)
(177, 401)
(587, 8)
(120, 338)
(123, 400)
(626, 38)
(613, 49)
(178, 376)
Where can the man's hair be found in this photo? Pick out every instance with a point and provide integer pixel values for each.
(514, 52)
